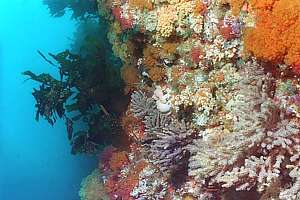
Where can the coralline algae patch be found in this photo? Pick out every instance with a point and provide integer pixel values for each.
(215, 100)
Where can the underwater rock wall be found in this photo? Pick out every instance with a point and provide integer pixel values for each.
(214, 110)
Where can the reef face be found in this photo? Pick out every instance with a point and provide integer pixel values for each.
(214, 110)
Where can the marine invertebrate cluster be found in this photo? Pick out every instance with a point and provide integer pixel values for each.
(217, 121)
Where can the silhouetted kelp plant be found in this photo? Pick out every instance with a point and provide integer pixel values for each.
(80, 8)
(88, 84)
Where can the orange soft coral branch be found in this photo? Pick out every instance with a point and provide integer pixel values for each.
(157, 74)
(276, 37)
(151, 56)
(169, 47)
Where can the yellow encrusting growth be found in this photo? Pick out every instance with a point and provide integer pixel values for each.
(167, 15)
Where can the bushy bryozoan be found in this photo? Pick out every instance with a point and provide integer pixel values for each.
(141, 105)
(166, 138)
(166, 143)
(263, 143)
(250, 109)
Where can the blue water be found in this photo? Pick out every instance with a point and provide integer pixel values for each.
(35, 159)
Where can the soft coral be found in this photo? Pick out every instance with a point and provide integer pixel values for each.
(276, 36)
